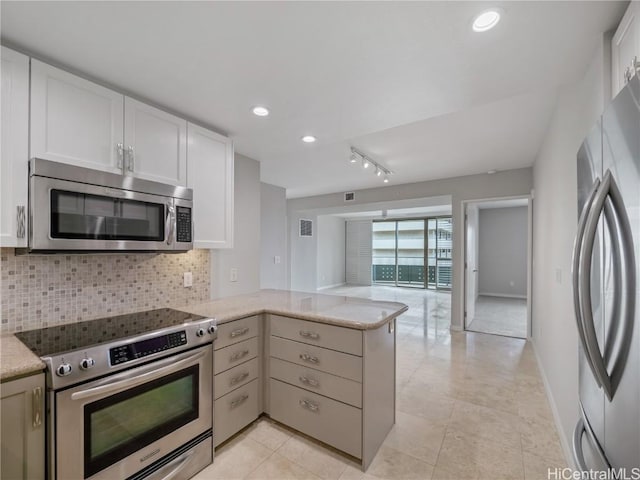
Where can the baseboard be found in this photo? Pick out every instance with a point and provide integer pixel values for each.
(567, 448)
(331, 286)
(505, 295)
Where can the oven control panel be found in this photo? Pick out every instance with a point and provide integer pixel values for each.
(143, 348)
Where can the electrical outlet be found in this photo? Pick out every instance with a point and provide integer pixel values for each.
(187, 279)
(233, 275)
(276, 259)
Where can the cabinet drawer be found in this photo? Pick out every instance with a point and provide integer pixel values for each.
(236, 331)
(235, 377)
(233, 355)
(234, 411)
(339, 388)
(341, 364)
(328, 336)
(327, 420)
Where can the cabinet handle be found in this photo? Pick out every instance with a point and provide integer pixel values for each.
(306, 334)
(309, 381)
(239, 378)
(36, 407)
(120, 152)
(239, 332)
(132, 159)
(239, 400)
(309, 358)
(314, 407)
(20, 221)
(238, 355)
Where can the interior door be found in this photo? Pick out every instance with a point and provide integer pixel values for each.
(471, 263)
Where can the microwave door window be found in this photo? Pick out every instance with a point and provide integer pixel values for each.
(85, 216)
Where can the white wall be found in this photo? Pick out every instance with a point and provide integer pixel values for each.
(245, 254)
(502, 259)
(473, 187)
(554, 225)
(331, 251)
(273, 236)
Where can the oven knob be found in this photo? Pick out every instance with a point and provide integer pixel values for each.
(63, 370)
(212, 329)
(87, 363)
(200, 332)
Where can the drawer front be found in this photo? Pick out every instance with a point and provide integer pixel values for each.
(330, 361)
(233, 355)
(327, 420)
(235, 377)
(328, 336)
(234, 411)
(339, 388)
(236, 331)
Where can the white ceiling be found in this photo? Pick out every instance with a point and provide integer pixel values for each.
(408, 83)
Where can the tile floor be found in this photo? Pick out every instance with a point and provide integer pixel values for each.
(500, 316)
(469, 406)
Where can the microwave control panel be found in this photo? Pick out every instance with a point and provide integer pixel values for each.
(183, 224)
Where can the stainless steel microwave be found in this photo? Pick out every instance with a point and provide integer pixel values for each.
(79, 209)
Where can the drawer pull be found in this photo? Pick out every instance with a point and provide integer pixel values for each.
(239, 332)
(239, 400)
(309, 381)
(309, 358)
(238, 378)
(314, 407)
(311, 335)
(238, 355)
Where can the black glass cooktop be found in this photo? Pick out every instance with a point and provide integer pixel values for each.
(64, 338)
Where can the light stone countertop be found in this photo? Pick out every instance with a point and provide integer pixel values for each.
(16, 360)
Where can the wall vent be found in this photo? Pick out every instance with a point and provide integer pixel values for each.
(349, 196)
(306, 228)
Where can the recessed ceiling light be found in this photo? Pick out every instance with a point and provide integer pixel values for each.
(260, 111)
(486, 20)
(308, 139)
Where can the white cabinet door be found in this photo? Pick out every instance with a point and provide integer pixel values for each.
(155, 144)
(210, 175)
(625, 46)
(22, 408)
(75, 121)
(14, 168)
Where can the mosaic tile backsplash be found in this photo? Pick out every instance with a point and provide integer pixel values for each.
(41, 291)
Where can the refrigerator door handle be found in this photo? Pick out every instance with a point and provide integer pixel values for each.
(575, 269)
(583, 427)
(584, 273)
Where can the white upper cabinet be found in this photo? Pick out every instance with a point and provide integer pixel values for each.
(210, 175)
(14, 169)
(155, 144)
(625, 48)
(74, 120)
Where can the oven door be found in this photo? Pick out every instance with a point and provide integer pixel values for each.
(121, 424)
(68, 215)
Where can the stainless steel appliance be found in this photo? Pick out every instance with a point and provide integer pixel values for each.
(128, 396)
(79, 209)
(606, 273)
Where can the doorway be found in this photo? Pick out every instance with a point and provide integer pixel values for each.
(497, 266)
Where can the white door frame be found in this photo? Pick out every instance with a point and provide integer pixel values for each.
(463, 300)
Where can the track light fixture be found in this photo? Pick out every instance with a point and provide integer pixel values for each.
(368, 162)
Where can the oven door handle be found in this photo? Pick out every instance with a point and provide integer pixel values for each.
(131, 379)
(179, 464)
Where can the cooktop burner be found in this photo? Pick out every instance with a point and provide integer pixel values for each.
(75, 336)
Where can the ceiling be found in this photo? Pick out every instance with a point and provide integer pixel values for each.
(408, 83)
(510, 203)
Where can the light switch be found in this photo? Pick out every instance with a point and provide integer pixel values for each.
(188, 279)
(558, 275)
(233, 275)
(276, 259)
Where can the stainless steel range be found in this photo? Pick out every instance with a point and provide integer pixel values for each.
(128, 397)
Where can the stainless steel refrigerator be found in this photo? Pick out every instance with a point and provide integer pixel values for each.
(606, 288)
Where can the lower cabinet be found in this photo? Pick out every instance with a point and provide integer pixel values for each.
(235, 410)
(23, 436)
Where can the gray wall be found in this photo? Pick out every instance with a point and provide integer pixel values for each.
(473, 187)
(303, 253)
(502, 260)
(245, 254)
(273, 236)
(331, 251)
(555, 213)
